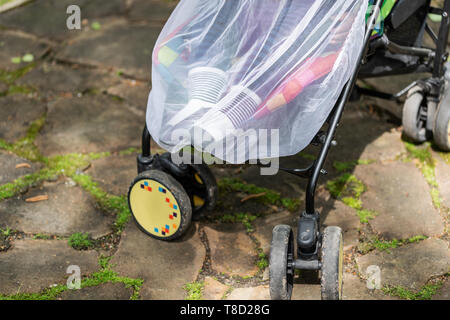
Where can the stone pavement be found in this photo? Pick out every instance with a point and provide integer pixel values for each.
(70, 126)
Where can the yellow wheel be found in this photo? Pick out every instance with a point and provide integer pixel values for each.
(159, 205)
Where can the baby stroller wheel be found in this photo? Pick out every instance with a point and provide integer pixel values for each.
(201, 186)
(441, 131)
(159, 205)
(415, 116)
(332, 264)
(281, 269)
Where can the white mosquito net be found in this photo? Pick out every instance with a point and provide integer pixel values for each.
(251, 79)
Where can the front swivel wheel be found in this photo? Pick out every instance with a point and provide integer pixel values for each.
(332, 264)
(281, 264)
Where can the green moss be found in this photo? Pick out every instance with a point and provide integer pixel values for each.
(41, 236)
(383, 245)
(245, 218)
(80, 241)
(347, 185)
(347, 166)
(6, 232)
(427, 165)
(425, 293)
(104, 275)
(9, 77)
(366, 215)
(307, 156)
(349, 189)
(268, 196)
(47, 294)
(352, 202)
(129, 151)
(194, 290)
(262, 262)
(110, 203)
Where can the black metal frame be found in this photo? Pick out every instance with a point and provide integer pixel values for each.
(309, 237)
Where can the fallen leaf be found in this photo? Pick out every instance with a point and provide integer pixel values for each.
(22, 165)
(253, 196)
(37, 198)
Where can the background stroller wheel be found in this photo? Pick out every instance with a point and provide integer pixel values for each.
(441, 130)
(281, 271)
(332, 264)
(414, 116)
(160, 205)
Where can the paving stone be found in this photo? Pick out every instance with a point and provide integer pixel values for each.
(15, 44)
(114, 174)
(68, 210)
(134, 92)
(3, 88)
(8, 170)
(24, 18)
(253, 293)
(409, 266)
(444, 292)
(107, 291)
(157, 11)
(213, 289)
(165, 267)
(264, 227)
(355, 289)
(112, 47)
(16, 115)
(386, 147)
(401, 197)
(364, 135)
(335, 213)
(32, 265)
(443, 180)
(232, 251)
(306, 292)
(92, 123)
(57, 79)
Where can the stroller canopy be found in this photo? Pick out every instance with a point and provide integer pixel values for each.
(251, 79)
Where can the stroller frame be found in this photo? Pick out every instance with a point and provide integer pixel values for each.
(309, 237)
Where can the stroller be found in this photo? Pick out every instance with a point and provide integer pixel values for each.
(244, 72)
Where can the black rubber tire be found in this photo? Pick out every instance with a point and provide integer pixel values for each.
(178, 192)
(281, 276)
(413, 126)
(332, 259)
(207, 190)
(441, 131)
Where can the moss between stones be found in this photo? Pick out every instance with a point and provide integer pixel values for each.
(80, 241)
(268, 196)
(383, 245)
(425, 293)
(245, 218)
(104, 275)
(194, 290)
(347, 166)
(349, 189)
(427, 165)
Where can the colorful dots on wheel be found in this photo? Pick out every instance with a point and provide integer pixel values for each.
(146, 186)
